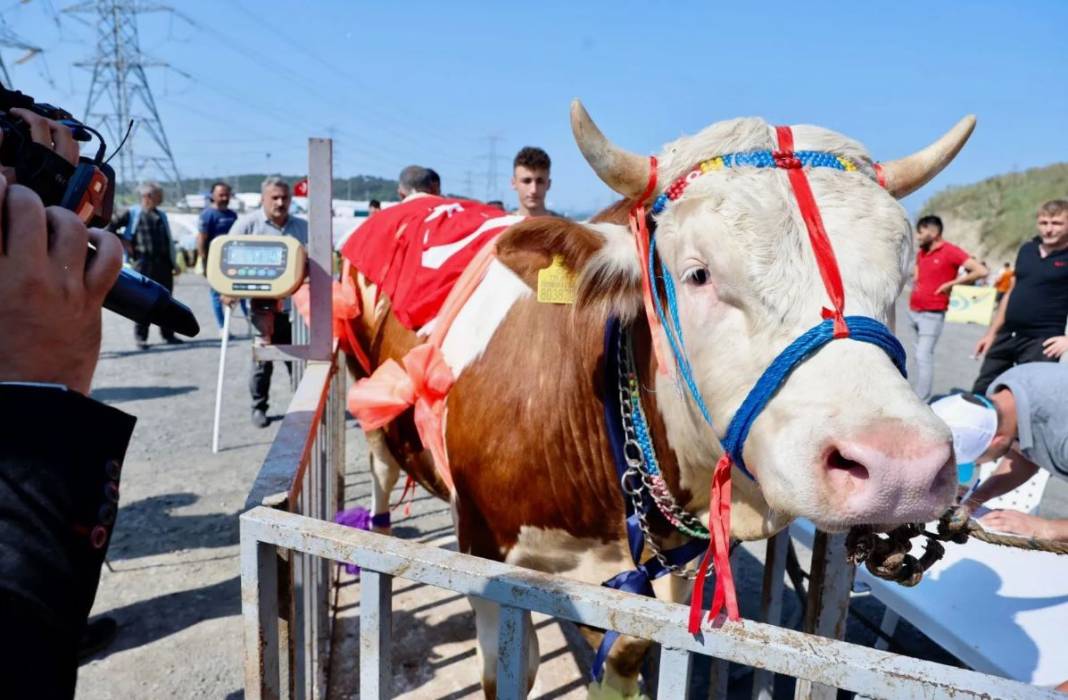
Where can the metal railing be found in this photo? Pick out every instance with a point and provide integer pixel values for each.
(264, 532)
(303, 475)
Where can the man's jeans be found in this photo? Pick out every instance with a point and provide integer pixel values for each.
(928, 326)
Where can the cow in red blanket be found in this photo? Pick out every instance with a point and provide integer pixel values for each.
(528, 466)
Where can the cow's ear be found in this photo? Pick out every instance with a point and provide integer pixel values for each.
(602, 257)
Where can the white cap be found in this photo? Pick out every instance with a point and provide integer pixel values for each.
(973, 424)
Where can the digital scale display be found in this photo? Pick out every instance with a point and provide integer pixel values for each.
(259, 260)
(261, 266)
(255, 255)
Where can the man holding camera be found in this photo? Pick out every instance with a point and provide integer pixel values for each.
(61, 453)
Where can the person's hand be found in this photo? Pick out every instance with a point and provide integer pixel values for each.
(50, 293)
(46, 132)
(983, 345)
(1056, 346)
(229, 301)
(1015, 522)
(945, 288)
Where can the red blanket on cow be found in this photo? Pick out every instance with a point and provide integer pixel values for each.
(414, 251)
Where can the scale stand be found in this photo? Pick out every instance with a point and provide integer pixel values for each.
(227, 313)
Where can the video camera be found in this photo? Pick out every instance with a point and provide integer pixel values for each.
(87, 189)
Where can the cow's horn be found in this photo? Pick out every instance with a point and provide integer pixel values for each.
(906, 175)
(626, 173)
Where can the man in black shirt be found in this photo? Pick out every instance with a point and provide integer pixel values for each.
(151, 248)
(1030, 322)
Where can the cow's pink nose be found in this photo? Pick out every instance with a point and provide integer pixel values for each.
(890, 477)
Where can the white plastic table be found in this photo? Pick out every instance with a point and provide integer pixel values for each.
(999, 610)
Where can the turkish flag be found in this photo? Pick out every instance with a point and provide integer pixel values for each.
(416, 250)
(301, 188)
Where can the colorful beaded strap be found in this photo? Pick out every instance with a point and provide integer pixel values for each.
(757, 159)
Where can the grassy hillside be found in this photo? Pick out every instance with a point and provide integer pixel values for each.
(991, 218)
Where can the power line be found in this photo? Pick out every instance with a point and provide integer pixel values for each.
(10, 40)
(119, 90)
(491, 158)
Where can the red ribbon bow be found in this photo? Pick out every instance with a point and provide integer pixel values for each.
(424, 383)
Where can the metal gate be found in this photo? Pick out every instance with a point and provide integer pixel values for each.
(266, 532)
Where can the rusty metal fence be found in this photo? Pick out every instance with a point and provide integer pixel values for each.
(302, 476)
(266, 532)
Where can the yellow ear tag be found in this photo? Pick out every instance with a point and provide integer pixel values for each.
(556, 284)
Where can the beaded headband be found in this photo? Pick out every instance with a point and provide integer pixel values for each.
(757, 159)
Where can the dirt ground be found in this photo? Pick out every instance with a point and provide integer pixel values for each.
(173, 581)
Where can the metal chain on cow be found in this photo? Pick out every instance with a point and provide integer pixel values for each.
(638, 449)
(636, 501)
(642, 476)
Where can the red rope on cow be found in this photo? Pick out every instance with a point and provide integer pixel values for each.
(719, 513)
(640, 229)
(719, 551)
(817, 234)
(880, 174)
(409, 491)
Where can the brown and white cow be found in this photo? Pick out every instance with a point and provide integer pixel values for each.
(844, 442)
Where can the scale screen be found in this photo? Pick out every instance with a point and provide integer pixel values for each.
(258, 266)
(272, 255)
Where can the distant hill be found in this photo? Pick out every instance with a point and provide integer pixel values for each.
(360, 187)
(991, 218)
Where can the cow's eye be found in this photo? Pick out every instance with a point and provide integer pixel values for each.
(696, 276)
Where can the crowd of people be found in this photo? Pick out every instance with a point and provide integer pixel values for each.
(150, 248)
(1016, 412)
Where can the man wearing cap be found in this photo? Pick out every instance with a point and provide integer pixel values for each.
(1023, 418)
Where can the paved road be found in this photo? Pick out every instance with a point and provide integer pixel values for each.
(174, 583)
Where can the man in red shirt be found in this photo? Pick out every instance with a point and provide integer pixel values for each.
(937, 263)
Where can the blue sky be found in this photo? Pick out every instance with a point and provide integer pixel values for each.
(430, 82)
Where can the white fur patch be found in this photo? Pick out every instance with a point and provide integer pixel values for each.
(480, 317)
(558, 552)
(619, 253)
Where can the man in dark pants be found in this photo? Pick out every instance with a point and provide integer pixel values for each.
(61, 453)
(1029, 325)
(150, 247)
(270, 318)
